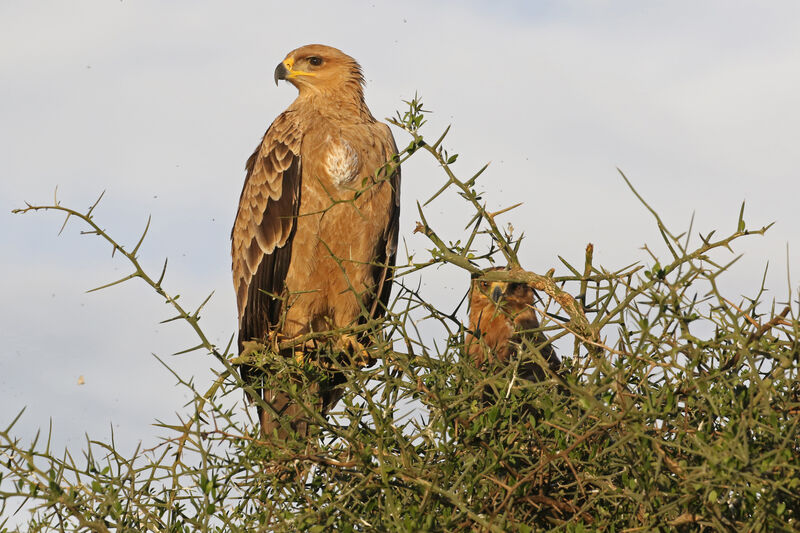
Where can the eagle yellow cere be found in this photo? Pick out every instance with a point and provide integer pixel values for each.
(316, 230)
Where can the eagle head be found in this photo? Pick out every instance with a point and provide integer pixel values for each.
(320, 68)
(511, 297)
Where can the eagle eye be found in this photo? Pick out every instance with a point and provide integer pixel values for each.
(314, 60)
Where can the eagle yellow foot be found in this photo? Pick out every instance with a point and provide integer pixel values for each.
(272, 340)
(355, 350)
(299, 356)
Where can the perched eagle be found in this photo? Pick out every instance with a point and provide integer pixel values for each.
(501, 323)
(315, 235)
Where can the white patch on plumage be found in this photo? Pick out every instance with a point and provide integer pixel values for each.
(341, 163)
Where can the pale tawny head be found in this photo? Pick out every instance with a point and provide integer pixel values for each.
(319, 68)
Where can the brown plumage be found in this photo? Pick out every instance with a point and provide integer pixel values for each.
(503, 324)
(309, 254)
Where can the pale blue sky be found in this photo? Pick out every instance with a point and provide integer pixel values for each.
(160, 104)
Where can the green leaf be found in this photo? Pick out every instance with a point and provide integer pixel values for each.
(741, 225)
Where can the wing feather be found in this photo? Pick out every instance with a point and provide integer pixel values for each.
(387, 247)
(265, 224)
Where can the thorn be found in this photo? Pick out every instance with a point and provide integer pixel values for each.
(64, 225)
(505, 210)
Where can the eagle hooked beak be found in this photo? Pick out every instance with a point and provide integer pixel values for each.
(280, 72)
(497, 293)
(286, 71)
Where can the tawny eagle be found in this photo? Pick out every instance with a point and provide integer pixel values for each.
(315, 235)
(503, 325)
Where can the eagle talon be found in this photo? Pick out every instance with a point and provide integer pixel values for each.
(299, 356)
(358, 354)
(272, 340)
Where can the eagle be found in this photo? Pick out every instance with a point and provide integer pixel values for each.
(315, 235)
(502, 324)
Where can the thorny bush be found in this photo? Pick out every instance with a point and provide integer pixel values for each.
(677, 408)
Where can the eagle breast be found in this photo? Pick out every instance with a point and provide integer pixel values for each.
(341, 162)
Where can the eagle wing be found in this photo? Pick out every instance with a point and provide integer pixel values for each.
(387, 248)
(262, 233)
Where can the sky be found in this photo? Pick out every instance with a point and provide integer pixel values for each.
(160, 104)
